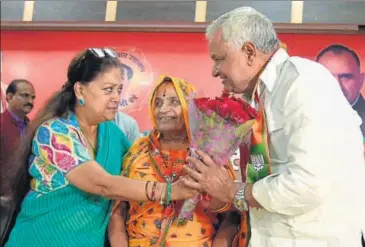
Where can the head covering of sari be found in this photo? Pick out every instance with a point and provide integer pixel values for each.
(183, 90)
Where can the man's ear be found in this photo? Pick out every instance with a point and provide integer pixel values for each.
(250, 50)
(9, 97)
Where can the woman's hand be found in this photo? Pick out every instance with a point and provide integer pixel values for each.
(210, 178)
(181, 192)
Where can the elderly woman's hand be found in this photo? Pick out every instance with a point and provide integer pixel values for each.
(181, 192)
(210, 178)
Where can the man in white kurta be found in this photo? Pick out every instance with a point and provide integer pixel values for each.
(315, 194)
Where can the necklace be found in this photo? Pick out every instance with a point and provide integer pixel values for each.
(88, 141)
(92, 146)
(167, 165)
(167, 169)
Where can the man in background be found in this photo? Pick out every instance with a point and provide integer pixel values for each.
(344, 64)
(20, 97)
(125, 122)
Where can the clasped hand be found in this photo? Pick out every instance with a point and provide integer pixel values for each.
(208, 177)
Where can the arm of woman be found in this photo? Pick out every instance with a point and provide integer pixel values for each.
(118, 236)
(67, 153)
(92, 178)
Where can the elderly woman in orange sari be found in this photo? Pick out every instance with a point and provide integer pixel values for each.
(161, 157)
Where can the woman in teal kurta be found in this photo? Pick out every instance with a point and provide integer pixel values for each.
(74, 154)
(56, 213)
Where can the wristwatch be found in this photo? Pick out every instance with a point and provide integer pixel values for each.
(239, 199)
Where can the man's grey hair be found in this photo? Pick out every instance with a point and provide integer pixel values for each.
(245, 24)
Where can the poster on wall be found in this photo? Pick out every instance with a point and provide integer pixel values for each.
(43, 57)
(138, 78)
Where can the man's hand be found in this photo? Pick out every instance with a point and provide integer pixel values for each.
(210, 178)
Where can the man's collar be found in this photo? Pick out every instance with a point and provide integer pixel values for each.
(356, 100)
(17, 119)
(269, 75)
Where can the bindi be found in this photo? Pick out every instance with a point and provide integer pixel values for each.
(164, 90)
(164, 93)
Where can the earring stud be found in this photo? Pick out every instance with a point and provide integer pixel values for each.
(81, 102)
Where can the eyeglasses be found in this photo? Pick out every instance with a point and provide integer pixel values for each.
(98, 53)
(103, 52)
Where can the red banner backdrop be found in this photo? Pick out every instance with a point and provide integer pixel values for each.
(43, 56)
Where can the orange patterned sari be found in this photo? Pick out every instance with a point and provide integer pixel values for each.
(149, 222)
(145, 225)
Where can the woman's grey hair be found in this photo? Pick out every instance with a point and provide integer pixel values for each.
(245, 24)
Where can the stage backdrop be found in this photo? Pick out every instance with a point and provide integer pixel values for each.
(43, 57)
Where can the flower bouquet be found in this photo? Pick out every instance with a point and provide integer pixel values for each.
(217, 127)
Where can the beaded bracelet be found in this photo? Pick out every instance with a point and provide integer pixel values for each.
(240, 200)
(168, 195)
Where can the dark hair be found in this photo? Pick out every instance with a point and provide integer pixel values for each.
(339, 49)
(13, 85)
(166, 79)
(84, 68)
